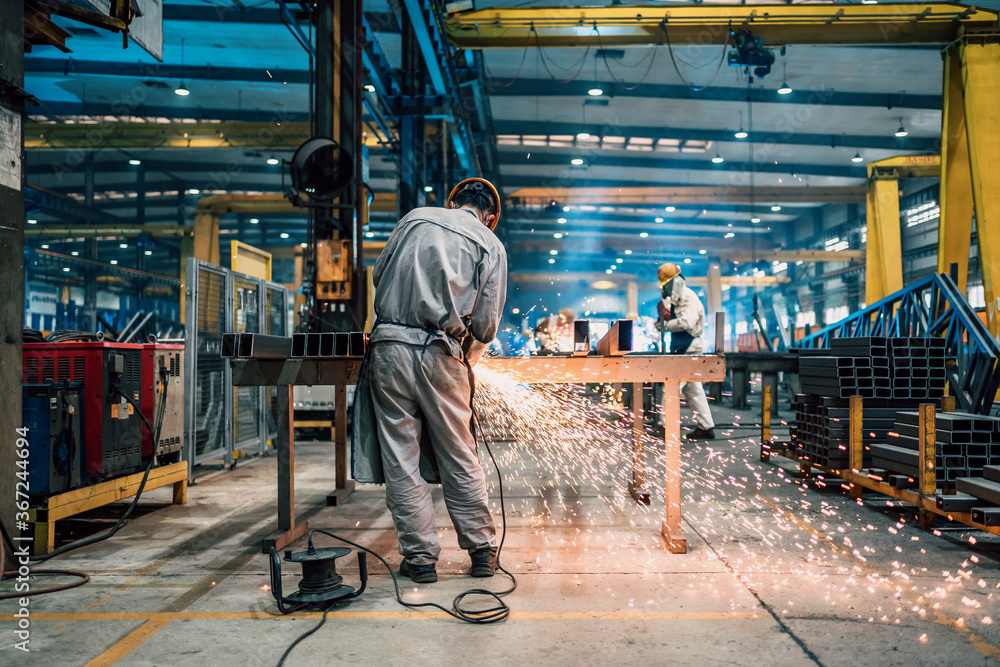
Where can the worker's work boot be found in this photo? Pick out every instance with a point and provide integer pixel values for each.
(700, 433)
(420, 574)
(484, 562)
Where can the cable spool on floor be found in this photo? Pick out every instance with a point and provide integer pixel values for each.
(321, 584)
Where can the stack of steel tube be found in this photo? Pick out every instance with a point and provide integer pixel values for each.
(262, 346)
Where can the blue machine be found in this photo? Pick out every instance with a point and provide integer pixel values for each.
(54, 420)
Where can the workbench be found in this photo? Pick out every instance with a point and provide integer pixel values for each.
(741, 365)
(340, 372)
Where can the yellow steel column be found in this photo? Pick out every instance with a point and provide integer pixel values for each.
(204, 244)
(883, 267)
(980, 74)
(955, 225)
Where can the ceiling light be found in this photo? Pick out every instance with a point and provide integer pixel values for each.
(254, 221)
(122, 245)
(45, 246)
(370, 88)
(595, 92)
(428, 188)
(741, 134)
(32, 222)
(643, 235)
(577, 161)
(194, 191)
(66, 269)
(702, 252)
(515, 311)
(182, 89)
(114, 261)
(628, 252)
(869, 2)
(273, 160)
(755, 219)
(857, 158)
(284, 235)
(670, 209)
(614, 267)
(134, 162)
(369, 235)
(583, 136)
(776, 208)
(551, 261)
(608, 271)
(557, 235)
(148, 253)
(561, 221)
(729, 235)
(553, 252)
(657, 220)
(687, 260)
(565, 209)
(302, 245)
(718, 159)
(901, 132)
(785, 88)
(619, 260)
(75, 253)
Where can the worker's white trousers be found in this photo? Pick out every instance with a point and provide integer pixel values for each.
(694, 392)
(415, 388)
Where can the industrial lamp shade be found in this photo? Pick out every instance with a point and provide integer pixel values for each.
(321, 169)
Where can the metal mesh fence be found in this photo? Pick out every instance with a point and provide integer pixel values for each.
(246, 319)
(210, 375)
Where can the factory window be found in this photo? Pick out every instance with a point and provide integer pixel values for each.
(922, 213)
(977, 297)
(741, 328)
(804, 318)
(834, 315)
(836, 243)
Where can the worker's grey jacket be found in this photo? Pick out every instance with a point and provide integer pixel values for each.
(446, 267)
(440, 269)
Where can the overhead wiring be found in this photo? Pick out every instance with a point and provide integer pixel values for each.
(541, 56)
(718, 68)
(651, 56)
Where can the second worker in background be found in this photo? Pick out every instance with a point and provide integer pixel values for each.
(683, 317)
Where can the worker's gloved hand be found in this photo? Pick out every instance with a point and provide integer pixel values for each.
(663, 309)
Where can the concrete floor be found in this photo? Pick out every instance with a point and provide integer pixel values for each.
(778, 573)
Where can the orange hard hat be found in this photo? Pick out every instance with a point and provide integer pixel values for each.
(478, 185)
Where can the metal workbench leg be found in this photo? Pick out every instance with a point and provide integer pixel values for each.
(676, 542)
(637, 485)
(741, 386)
(771, 380)
(344, 486)
(288, 531)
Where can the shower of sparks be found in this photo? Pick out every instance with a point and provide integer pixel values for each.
(567, 442)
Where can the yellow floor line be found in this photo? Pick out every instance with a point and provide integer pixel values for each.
(980, 644)
(129, 642)
(163, 618)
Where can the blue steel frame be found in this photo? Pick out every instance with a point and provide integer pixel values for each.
(933, 307)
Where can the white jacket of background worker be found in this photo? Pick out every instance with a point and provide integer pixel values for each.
(688, 317)
(440, 286)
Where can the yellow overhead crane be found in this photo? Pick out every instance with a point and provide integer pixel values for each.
(970, 138)
(776, 25)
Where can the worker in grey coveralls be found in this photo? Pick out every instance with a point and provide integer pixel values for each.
(683, 316)
(440, 286)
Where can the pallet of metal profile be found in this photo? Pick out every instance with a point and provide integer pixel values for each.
(262, 346)
(618, 340)
(64, 505)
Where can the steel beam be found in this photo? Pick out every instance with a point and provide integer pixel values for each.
(597, 159)
(67, 208)
(273, 134)
(575, 196)
(980, 71)
(955, 198)
(883, 268)
(578, 89)
(909, 143)
(702, 24)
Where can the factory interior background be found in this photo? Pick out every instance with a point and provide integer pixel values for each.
(194, 194)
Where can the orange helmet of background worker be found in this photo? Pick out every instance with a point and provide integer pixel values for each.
(667, 272)
(470, 191)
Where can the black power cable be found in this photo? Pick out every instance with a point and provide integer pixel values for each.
(493, 614)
